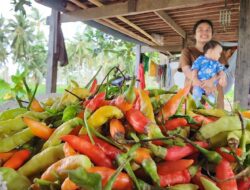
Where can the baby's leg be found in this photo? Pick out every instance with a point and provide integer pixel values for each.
(211, 98)
(197, 95)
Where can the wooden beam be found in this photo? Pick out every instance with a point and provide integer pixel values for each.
(163, 49)
(113, 25)
(167, 19)
(51, 77)
(132, 5)
(166, 49)
(242, 77)
(122, 9)
(99, 4)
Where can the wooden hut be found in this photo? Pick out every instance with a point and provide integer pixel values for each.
(163, 25)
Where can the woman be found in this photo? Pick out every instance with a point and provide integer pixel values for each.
(203, 32)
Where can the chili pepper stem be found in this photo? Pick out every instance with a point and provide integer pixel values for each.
(211, 156)
(86, 115)
(128, 158)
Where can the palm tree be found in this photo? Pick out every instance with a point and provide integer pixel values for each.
(3, 42)
(21, 33)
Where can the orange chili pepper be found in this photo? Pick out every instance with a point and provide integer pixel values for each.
(68, 150)
(172, 105)
(17, 159)
(4, 156)
(36, 106)
(117, 130)
(68, 185)
(38, 128)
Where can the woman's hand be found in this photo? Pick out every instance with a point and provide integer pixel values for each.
(208, 86)
(196, 82)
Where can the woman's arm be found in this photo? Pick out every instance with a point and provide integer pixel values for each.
(194, 78)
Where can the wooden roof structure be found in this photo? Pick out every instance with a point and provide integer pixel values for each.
(165, 25)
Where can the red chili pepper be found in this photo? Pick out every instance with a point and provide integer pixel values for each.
(172, 105)
(179, 152)
(173, 166)
(174, 123)
(179, 177)
(109, 150)
(137, 120)
(92, 151)
(224, 171)
(17, 159)
(93, 87)
(95, 103)
(122, 181)
(244, 184)
(117, 130)
(227, 156)
(125, 101)
(201, 119)
(80, 114)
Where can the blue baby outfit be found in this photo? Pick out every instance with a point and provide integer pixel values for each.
(207, 68)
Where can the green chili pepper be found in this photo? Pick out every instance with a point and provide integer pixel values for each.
(63, 129)
(12, 125)
(122, 158)
(15, 140)
(187, 186)
(12, 180)
(236, 135)
(226, 123)
(190, 105)
(211, 156)
(127, 158)
(219, 140)
(42, 160)
(212, 112)
(12, 113)
(208, 185)
(70, 112)
(156, 92)
(150, 167)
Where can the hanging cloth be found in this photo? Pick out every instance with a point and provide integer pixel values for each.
(141, 76)
(145, 62)
(152, 69)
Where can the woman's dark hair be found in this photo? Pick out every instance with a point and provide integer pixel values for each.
(201, 22)
(211, 45)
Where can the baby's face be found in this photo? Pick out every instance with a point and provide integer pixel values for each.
(214, 53)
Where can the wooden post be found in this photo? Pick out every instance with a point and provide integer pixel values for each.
(242, 77)
(137, 61)
(52, 61)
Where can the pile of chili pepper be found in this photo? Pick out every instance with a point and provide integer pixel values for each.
(115, 136)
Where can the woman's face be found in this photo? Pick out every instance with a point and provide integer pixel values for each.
(203, 33)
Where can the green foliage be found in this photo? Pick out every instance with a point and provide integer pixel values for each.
(19, 5)
(86, 180)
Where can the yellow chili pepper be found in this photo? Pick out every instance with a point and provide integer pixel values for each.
(146, 106)
(101, 116)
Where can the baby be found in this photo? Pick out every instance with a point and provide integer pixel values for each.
(206, 67)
